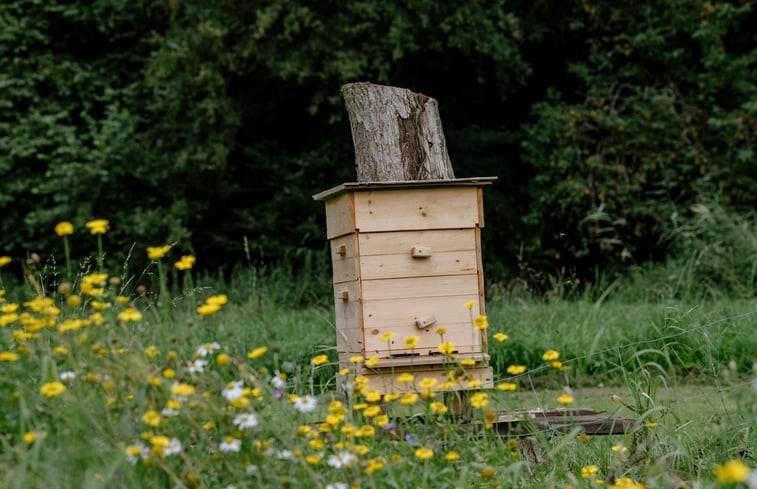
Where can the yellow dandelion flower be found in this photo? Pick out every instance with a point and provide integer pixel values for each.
(467, 362)
(469, 304)
(516, 369)
(387, 336)
(186, 262)
(424, 453)
(371, 361)
(507, 386)
(73, 301)
(182, 390)
(390, 396)
(589, 471)
(405, 378)
(479, 400)
(8, 356)
(411, 342)
(371, 411)
(438, 407)
(382, 420)
(550, 355)
(64, 228)
(169, 373)
(474, 383)
(427, 383)
(373, 395)
(487, 472)
(565, 399)
(732, 471)
(151, 418)
(4, 260)
(52, 389)
(157, 252)
(257, 352)
(223, 359)
(481, 323)
(441, 331)
(320, 359)
(356, 359)
(500, 337)
(208, 309)
(98, 226)
(30, 437)
(447, 348)
(219, 300)
(152, 351)
(313, 459)
(451, 456)
(409, 398)
(129, 314)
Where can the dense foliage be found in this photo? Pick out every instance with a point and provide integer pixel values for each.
(210, 124)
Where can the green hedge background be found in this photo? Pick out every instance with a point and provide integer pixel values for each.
(209, 124)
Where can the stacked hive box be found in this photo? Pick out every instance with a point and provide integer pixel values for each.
(406, 258)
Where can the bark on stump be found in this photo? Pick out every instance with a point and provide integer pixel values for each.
(397, 134)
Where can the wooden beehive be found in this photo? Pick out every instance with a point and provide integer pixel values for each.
(406, 258)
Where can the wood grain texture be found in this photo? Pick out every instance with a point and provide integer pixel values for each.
(397, 134)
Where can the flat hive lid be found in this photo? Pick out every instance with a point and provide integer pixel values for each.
(414, 184)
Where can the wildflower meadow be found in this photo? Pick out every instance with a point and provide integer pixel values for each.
(113, 377)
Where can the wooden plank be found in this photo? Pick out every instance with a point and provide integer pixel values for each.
(340, 216)
(348, 341)
(416, 287)
(404, 265)
(348, 317)
(344, 260)
(384, 381)
(402, 242)
(416, 209)
(363, 186)
(421, 361)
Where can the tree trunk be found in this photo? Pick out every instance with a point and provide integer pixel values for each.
(397, 134)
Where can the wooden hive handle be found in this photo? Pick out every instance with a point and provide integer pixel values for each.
(425, 322)
(421, 251)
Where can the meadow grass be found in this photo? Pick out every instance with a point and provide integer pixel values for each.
(230, 388)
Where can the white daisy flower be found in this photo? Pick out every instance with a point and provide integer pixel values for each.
(336, 485)
(245, 420)
(278, 382)
(230, 444)
(207, 348)
(341, 459)
(196, 366)
(67, 376)
(172, 447)
(233, 391)
(306, 404)
(284, 455)
(169, 412)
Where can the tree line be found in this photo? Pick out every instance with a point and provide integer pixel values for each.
(210, 124)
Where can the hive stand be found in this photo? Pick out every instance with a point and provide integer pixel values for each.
(406, 258)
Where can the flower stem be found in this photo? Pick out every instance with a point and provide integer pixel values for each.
(67, 250)
(164, 298)
(100, 256)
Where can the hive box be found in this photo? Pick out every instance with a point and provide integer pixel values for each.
(406, 256)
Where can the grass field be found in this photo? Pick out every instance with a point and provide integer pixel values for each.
(232, 384)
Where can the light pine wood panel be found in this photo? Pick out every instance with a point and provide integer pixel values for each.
(437, 208)
(384, 381)
(415, 287)
(402, 242)
(344, 265)
(340, 216)
(348, 317)
(404, 265)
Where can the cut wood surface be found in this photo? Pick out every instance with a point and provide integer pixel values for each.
(395, 210)
(397, 134)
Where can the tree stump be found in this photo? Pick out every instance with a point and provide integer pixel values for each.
(397, 134)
